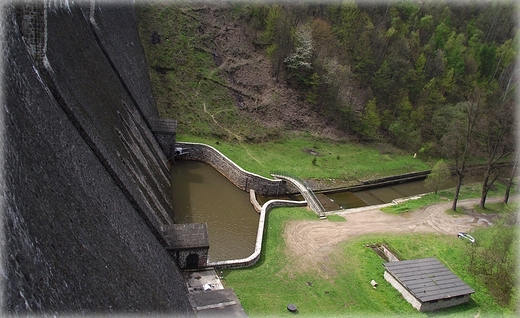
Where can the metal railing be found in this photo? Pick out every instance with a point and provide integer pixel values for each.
(304, 184)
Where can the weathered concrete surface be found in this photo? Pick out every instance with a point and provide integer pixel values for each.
(79, 178)
(114, 26)
(90, 93)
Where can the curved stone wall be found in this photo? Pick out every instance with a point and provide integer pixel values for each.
(253, 258)
(241, 178)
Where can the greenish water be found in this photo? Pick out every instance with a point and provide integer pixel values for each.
(348, 200)
(202, 195)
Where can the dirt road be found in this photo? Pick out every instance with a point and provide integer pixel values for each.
(310, 242)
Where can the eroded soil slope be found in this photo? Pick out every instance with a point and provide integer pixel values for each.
(250, 76)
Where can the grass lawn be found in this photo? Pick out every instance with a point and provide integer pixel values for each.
(266, 288)
(335, 160)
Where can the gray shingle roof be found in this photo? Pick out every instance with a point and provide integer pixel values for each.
(427, 279)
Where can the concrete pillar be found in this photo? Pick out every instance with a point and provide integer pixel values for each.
(33, 28)
(165, 131)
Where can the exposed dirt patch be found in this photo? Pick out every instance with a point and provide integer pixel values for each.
(248, 74)
(309, 243)
(311, 151)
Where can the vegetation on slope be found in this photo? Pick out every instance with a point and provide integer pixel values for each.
(401, 71)
(435, 78)
(309, 157)
(187, 84)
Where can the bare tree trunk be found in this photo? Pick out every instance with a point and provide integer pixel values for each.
(510, 182)
(460, 176)
(491, 173)
(484, 192)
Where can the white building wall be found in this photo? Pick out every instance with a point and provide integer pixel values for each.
(444, 303)
(427, 306)
(406, 294)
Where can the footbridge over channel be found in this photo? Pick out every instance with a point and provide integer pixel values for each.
(307, 193)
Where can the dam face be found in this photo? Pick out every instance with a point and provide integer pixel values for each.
(84, 185)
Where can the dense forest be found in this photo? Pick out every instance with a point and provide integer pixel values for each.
(424, 66)
(434, 77)
(440, 76)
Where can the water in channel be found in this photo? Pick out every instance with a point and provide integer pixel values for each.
(386, 194)
(349, 200)
(202, 195)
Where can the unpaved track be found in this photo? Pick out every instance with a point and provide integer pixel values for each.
(309, 243)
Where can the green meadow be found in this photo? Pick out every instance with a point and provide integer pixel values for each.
(346, 161)
(266, 288)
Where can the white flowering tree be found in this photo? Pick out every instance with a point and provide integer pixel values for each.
(299, 63)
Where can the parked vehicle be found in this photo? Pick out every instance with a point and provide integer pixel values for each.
(466, 236)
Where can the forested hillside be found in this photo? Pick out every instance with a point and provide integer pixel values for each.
(435, 78)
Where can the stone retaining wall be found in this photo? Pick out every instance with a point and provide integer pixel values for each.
(242, 179)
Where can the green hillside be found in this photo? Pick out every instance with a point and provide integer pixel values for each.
(400, 72)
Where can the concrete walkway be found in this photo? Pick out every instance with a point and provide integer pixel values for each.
(209, 298)
(307, 194)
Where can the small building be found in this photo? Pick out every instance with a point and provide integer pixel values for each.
(427, 284)
(188, 244)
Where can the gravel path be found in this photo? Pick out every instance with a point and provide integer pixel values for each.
(310, 242)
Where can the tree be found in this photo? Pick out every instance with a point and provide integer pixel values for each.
(493, 260)
(487, 60)
(497, 140)
(325, 41)
(370, 120)
(277, 36)
(438, 176)
(455, 50)
(511, 178)
(353, 27)
(299, 63)
(459, 141)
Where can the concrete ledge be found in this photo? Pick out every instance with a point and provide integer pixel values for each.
(254, 201)
(375, 183)
(241, 178)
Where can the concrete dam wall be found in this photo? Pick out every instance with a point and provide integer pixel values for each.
(84, 183)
